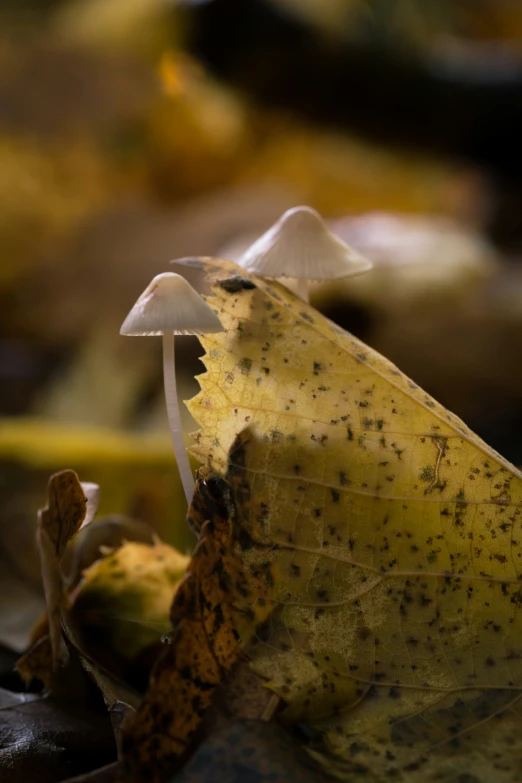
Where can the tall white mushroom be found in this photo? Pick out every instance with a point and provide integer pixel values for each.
(169, 306)
(300, 246)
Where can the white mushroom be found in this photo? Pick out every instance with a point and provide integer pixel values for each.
(299, 245)
(169, 306)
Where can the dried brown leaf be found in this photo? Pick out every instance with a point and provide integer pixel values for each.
(203, 647)
(57, 523)
(43, 741)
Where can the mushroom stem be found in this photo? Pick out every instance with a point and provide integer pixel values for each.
(302, 290)
(176, 432)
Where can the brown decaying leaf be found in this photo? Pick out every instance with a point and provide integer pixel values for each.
(57, 523)
(203, 648)
(250, 751)
(43, 741)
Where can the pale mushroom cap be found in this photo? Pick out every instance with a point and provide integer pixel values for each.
(300, 245)
(170, 305)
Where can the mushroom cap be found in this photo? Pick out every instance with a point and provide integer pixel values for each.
(299, 245)
(169, 304)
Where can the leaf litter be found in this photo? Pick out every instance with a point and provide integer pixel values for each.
(204, 646)
(102, 616)
(359, 549)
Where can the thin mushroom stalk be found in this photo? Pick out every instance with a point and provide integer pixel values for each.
(169, 306)
(174, 415)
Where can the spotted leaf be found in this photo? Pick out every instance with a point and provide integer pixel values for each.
(203, 647)
(385, 536)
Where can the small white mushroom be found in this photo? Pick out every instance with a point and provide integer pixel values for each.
(299, 245)
(169, 306)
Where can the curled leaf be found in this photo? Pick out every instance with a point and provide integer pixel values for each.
(203, 647)
(57, 523)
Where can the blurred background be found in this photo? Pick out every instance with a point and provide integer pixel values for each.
(133, 132)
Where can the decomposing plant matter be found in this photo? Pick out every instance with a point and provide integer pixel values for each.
(57, 523)
(203, 648)
(359, 550)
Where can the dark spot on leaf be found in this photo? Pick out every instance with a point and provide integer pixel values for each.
(236, 283)
(244, 365)
(427, 474)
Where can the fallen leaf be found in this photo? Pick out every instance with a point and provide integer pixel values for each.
(74, 683)
(381, 531)
(202, 649)
(57, 523)
(45, 742)
(250, 752)
(122, 604)
(120, 608)
(70, 503)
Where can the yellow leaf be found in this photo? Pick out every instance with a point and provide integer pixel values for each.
(384, 534)
(123, 603)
